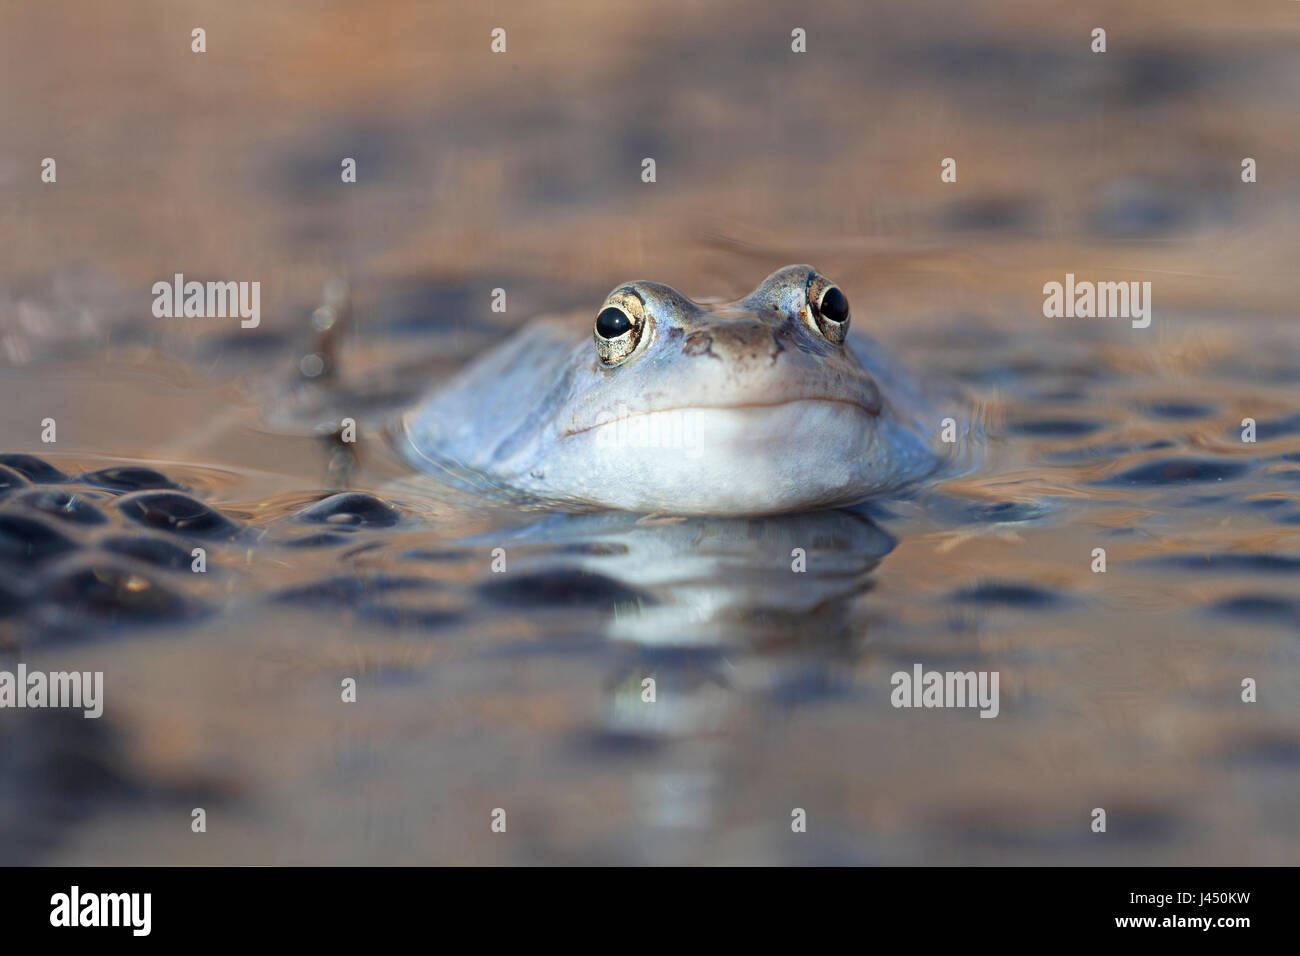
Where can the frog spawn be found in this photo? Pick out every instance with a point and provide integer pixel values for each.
(120, 547)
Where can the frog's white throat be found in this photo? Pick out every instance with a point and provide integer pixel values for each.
(749, 459)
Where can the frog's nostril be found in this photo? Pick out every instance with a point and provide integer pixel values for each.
(781, 337)
(698, 343)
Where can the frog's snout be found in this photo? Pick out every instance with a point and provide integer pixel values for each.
(736, 341)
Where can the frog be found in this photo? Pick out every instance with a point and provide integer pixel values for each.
(773, 403)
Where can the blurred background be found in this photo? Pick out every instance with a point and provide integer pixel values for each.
(524, 167)
(522, 171)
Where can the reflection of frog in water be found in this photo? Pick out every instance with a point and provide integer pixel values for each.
(702, 610)
(766, 405)
(695, 581)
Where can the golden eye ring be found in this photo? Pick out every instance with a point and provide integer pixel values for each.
(620, 327)
(828, 310)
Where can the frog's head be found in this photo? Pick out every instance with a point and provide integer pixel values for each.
(754, 405)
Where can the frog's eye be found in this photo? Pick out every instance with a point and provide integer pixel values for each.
(828, 310)
(620, 326)
(612, 322)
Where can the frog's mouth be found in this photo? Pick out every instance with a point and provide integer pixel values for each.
(740, 458)
(683, 414)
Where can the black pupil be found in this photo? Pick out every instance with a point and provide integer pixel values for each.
(611, 323)
(834, 306)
